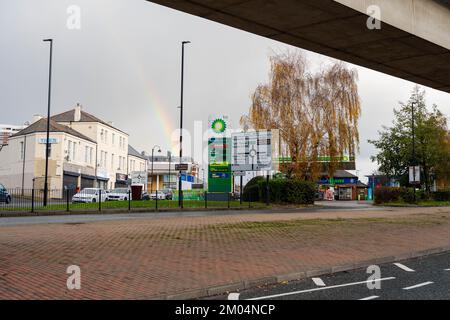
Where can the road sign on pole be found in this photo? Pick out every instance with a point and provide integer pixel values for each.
(251, 151)
(181, 167)
(414, 174)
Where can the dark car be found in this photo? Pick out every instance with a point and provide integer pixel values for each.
(4, 195)
(145, 196)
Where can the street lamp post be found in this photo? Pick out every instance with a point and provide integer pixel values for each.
(169, 155)
(47, 143)
(153, 152)
(413, 149)
(180, 200)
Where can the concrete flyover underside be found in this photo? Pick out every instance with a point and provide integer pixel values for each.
(413, 42)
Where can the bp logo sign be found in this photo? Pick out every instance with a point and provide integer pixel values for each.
(219, 126)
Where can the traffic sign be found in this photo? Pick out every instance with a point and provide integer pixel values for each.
(414, 175)
(251, 151)
(181, 167)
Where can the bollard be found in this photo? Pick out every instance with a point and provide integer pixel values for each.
(32, 200)
(206, 199)
(156, 203)
(100, 200)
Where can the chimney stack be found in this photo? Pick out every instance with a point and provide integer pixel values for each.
(77, 116)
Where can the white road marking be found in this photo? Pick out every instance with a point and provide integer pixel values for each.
(370, 298)
(418, 285)
(405, 268)
(233, 296)
(318, 282)
(447, 269)
(322, 288)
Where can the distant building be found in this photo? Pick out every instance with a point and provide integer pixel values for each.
(84, 152)
(137, 168)
(165, 175)
(71, 159)
(346, 186)
(7, 130)
(112, 144)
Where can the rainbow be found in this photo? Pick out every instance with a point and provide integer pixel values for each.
(159, 108)
(160, 111)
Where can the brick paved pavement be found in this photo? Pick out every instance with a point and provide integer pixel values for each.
(141, 259)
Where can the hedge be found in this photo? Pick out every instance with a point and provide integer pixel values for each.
(283, 191)
(392, 194)
(443, 195)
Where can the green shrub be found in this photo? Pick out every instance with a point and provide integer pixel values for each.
(251, 189)
(442, 195)
(283, 191)
(397, 194)
(387, 194)
(407, 195)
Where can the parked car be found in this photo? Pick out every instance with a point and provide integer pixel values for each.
(145, 195)
(118, 194)
(160, 194)
(4, 195)
(168, 193)
(90, 195)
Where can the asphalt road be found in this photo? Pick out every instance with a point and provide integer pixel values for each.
(426, 278)
(322, 206)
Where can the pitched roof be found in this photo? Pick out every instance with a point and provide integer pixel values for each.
(41, 126)
(344, 174)
(133, 152)
(69, 116)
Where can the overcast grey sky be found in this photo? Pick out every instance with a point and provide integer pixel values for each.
(123, 65)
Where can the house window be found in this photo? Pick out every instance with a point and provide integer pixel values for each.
(69, 150)
(112, 161)
(86, 154)
(113, 138)
(74, 151)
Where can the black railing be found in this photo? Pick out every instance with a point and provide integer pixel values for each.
(96, 200)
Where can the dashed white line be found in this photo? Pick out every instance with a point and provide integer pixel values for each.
(233, 296)
(447, 269)
(370, 298)
(321, 288)
(418, 285)
(318, 282)
(403, 267)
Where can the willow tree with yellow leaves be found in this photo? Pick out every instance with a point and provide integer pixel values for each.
(316, 113)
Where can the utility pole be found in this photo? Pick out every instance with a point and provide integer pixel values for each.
(169, 155)
(153, 152)
(47, 143)
(180, 193)
(413, 149)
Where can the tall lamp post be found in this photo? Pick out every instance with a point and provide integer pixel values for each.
(169, 155)
(180, 199)
(413, 149)
(47, 143)
(153, 153)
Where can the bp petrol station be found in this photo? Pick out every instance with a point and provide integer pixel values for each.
(234, 154)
